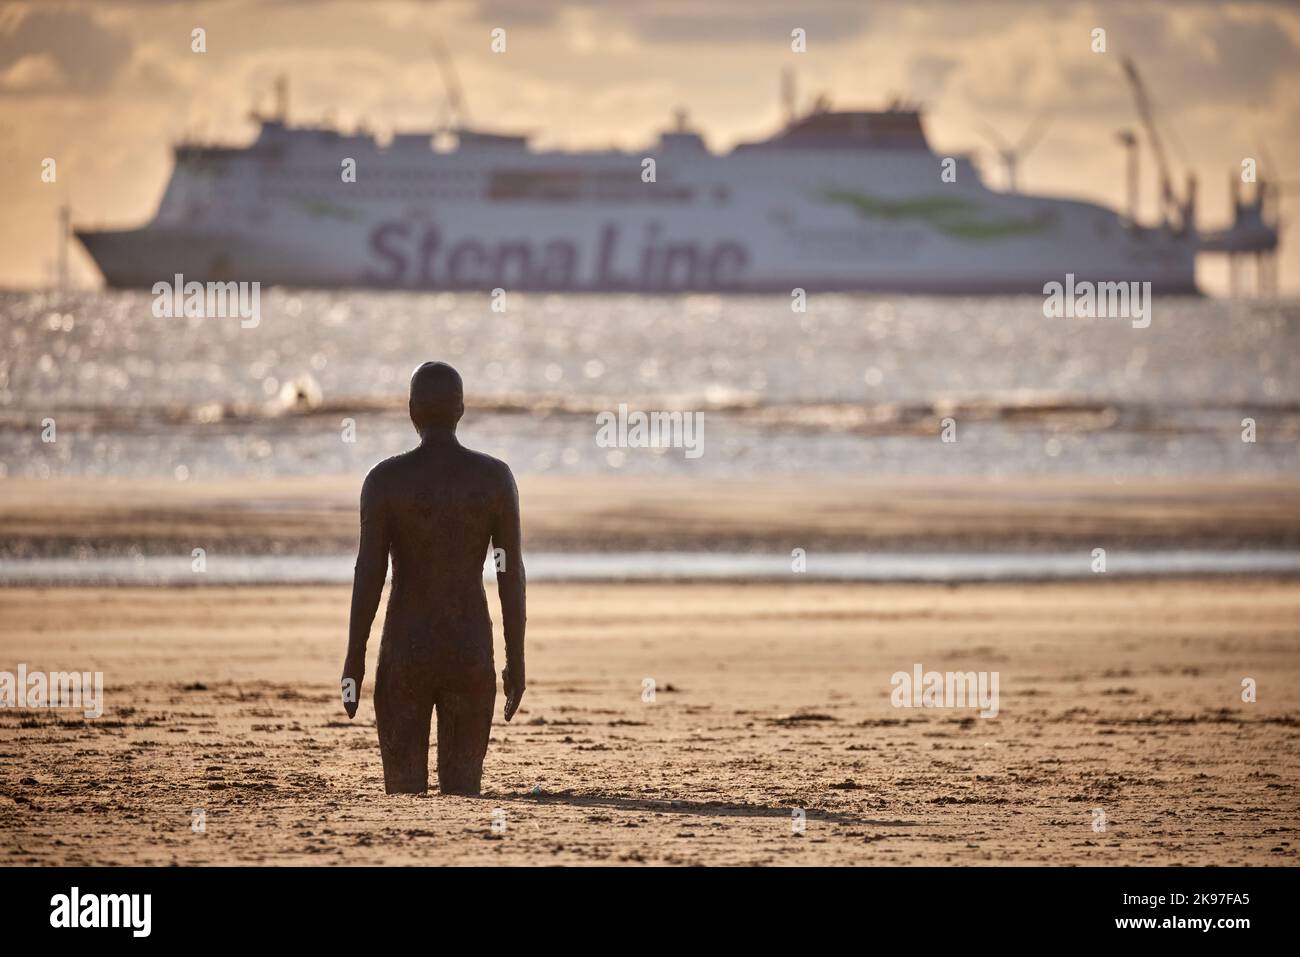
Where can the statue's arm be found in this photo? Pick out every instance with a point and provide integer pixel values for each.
(508, 537)
(367, 583)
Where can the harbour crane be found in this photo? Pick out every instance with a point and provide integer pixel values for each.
(1169, 205)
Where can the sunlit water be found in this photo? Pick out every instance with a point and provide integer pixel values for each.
(857, 385)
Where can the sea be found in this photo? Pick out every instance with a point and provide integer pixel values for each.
(855, 385)
(868, 386)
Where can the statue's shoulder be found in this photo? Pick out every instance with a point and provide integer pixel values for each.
(383, 473)
(494, 468)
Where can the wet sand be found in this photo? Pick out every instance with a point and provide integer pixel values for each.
(1119, 696)
(293, 516)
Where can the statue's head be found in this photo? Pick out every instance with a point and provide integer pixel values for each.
(437, 397)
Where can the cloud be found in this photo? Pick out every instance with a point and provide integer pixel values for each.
(673, 21)
(33, 73)
(927, 75)
(66, 46)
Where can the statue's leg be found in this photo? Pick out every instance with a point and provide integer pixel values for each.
(403, 709)
(464, 726)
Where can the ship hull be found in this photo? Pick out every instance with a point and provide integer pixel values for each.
(139, 258)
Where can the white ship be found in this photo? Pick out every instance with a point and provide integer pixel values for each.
(834, 201)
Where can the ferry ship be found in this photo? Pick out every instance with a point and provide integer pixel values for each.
(835, 200)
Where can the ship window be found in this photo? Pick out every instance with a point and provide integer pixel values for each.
(568, 186)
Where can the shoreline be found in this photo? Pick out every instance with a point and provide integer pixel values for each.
(227, 569)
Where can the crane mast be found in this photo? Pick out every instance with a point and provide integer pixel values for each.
(1168, 201)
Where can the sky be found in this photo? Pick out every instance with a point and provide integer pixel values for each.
(106, 86)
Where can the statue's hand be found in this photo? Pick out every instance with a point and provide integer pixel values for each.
(354, 671)
(513, 680)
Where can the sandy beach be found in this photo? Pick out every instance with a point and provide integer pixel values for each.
(1123, 697)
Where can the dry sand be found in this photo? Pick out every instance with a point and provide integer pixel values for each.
(1119, 696)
